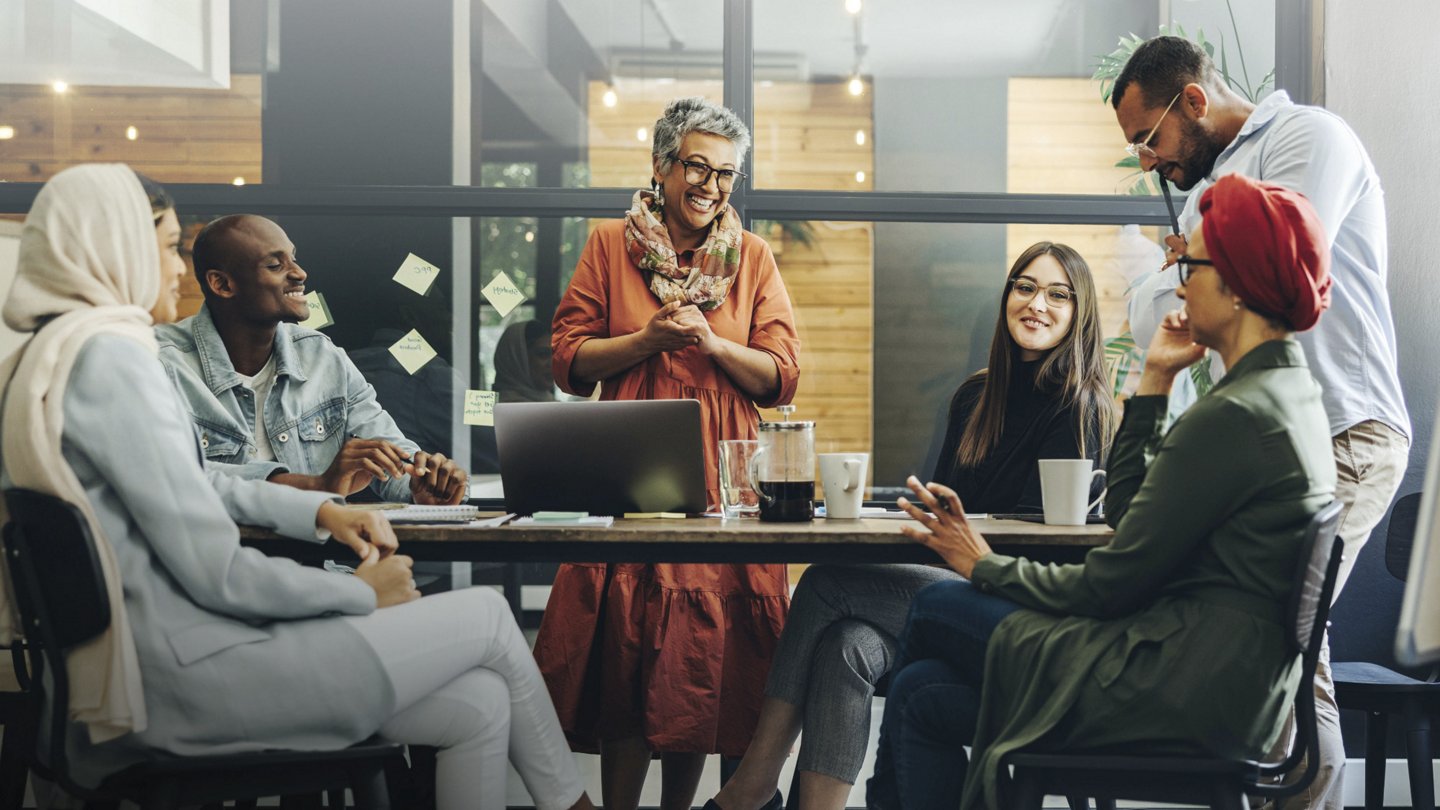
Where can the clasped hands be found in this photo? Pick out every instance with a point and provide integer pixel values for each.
(434, 479)
(369, 534)
(946, 531)
(678, 326)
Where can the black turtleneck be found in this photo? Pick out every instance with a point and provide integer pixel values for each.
(1036, 427)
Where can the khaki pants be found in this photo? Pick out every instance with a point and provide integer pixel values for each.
(1370, 460)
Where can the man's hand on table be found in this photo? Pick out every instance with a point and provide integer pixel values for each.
(946, 530)
(437, 480)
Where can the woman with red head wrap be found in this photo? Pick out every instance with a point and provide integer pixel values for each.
(1169, 640)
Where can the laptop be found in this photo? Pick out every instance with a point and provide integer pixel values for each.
(605, 458)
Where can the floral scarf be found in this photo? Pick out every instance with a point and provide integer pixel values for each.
(705, 283)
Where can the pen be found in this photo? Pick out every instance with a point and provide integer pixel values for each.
(1170, 204)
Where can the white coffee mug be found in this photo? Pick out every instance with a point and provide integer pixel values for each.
(1065, 489)
(843, 476)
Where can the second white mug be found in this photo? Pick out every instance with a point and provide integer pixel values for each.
(843, 476)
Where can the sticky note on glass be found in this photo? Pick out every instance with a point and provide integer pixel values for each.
(480, 408)
(416, 273)
(412, 351)
(319, 312)
(502, 294)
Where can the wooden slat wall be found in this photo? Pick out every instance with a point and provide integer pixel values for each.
(185, 135)
(805, 138)
(1063, 140)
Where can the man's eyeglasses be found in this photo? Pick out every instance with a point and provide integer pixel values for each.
(1142, 147)
(698, 174)
(1056, 295)
(1187, 266)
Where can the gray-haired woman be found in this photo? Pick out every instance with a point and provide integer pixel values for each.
(674, 301)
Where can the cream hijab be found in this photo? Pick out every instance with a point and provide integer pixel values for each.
(89, 265)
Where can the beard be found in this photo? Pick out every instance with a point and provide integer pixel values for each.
(1199, 151)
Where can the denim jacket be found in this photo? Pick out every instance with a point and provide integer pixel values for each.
(319, 400)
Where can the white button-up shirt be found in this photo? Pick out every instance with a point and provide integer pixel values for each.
(1352, 349)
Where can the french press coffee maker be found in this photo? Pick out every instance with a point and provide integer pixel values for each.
(783, 469)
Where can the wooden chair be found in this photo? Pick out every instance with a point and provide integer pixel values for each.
(63, 600)
(1218, 783)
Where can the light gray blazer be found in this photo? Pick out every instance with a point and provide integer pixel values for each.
(238, 651)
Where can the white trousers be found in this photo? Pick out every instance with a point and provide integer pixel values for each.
(466, 682)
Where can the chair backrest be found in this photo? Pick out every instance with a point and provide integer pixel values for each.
(1306, 618)
(1404, 518)
(60, 591)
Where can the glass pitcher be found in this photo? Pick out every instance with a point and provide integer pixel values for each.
(783, 469)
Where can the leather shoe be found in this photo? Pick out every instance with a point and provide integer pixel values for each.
(777, 802)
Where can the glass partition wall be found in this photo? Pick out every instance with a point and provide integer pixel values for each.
(904, 152)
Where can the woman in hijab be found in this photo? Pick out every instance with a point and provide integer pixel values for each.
(522, 364)
(673, 301)
(212, 647)
(1169, 638)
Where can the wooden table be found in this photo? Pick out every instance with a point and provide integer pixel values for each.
(699, 540)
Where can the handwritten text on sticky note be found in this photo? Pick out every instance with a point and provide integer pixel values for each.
(319, 312)
(480, 408)
(416, 273)
(502, 294)
(412, 351)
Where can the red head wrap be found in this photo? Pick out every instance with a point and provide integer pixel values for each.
(1269, 247)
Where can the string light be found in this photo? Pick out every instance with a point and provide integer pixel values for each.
(860, 177)
(609, 99)
(853, 6)
(642, 134)
(529, 236)
(131, 133)
(239, 181)
(857, 87)
(859, 137)
(7, 132)
(60, 85)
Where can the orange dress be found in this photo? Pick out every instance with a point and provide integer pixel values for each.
(683, 650)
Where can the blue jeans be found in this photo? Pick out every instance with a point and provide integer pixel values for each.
(934, 698)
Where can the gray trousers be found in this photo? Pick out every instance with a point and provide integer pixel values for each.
(839, 641)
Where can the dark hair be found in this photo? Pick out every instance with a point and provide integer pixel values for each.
(160, 199)
(1161, 67)
(208, 253)
(1074, 368)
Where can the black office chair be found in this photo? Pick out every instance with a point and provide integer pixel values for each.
(1382, 692)
(1218, 783)
(61, 592)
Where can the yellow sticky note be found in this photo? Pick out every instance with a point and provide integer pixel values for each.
(416, 273)
(412, 351)
(480, 408)
(502, 294)
(319, 312)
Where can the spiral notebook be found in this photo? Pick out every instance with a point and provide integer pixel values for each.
(414, 513)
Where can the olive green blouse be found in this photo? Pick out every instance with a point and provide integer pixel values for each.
(1169, 638)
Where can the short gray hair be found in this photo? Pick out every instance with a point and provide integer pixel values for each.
(696, 114)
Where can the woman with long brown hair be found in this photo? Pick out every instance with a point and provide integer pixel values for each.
(1044, 395)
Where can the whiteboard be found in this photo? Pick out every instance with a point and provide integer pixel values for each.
(1418, 638)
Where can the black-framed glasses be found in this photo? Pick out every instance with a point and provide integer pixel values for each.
(1186, 265)
(698, 174)
(1056, 295)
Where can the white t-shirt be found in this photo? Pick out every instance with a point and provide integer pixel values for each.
(261, 384)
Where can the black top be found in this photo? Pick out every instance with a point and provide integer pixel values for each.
(1036, 427)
